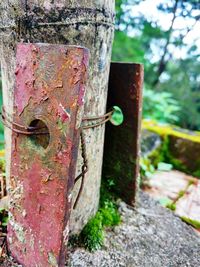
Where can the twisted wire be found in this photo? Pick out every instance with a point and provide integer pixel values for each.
(19, 128)
(104, 118)
(28, 130)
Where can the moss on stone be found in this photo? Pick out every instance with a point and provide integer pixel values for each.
(192, 222)
(171, 206)
(166, 129)
(179, 147)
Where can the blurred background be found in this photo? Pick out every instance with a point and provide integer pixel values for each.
(165, 36)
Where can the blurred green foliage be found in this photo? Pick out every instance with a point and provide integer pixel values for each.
(160, 106)
(172, 84)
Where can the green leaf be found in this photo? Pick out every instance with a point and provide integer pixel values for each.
(162, 166)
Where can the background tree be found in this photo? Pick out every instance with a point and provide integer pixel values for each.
(144, 39)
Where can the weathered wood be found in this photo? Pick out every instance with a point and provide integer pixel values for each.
(122, 143)
(48, 95)
(88, 23)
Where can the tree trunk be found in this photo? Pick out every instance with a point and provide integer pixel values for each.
(88, 23)
(163, 62)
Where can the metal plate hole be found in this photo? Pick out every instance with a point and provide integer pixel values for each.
(43, 139)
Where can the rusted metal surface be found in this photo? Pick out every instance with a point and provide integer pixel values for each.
(49, 93)
(87, 23)
(122, 143)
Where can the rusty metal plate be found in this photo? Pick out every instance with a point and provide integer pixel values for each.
(48, 96)
(122, 143)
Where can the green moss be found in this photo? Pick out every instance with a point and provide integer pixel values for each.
(92, 235)
(110, 214)
(169, 157)
(166, 129)
(181, 193)
(171, 206)
(191, 182)
(149, 164)
(163, 154)
(194, 223)
(156, 157)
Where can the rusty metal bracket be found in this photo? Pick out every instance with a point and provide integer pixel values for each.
(48, 97)
(122, 144)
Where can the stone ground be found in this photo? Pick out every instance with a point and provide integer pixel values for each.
(169, 184)
(149, 236)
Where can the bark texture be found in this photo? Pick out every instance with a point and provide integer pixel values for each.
(88, 23)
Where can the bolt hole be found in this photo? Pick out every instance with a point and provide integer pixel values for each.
(38, 139)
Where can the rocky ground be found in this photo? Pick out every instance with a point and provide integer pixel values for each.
(149, 236)
(178, 188)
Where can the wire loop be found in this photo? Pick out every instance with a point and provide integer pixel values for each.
(28, 130)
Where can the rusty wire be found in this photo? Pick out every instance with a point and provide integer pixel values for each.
(27, 130)
(8, 118)
(19, 128)
(84, 168)
(104, 118)
(57, 23)
(98, 117)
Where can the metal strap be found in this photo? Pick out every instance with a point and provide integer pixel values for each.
(27, 130)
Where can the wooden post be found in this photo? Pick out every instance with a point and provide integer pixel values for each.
(122, 143)
(87, 23)
(48, 106)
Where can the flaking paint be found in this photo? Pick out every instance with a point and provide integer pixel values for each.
(42, 178)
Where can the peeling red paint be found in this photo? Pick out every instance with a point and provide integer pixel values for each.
(42, 179)
(81, 96)
(63, 155)
(64, 114)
